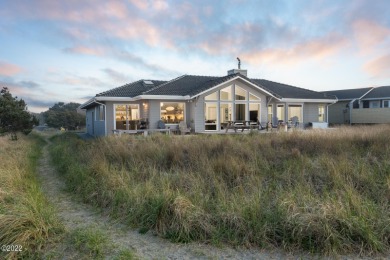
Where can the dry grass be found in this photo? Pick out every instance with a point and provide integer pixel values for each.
(26, 219)
(318, 191)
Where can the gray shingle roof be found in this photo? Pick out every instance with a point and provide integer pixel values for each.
(288, 91)
(348, 94)
(188, 85)
(131, 90)
(379, 92)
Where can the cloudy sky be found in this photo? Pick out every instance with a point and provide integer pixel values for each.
(53, 51)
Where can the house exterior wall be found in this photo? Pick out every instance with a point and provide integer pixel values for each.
(199, 114)
(370, 116)
(89, 121)
(154, 112)
(198, 104)
(110, 117)
(311, 112)
(94, 127)
(338, 113)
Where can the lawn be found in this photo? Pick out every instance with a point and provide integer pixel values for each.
(324, 192)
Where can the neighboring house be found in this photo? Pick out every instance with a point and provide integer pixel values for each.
(205, 103)
(360, 106)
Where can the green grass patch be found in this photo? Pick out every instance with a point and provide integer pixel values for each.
(26, 217)
(90, 242)
(324, 192)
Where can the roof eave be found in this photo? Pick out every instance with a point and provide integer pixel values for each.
(163, 97)
(86, 104)
(308, 100)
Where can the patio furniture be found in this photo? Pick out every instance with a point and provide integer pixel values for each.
(160, 125)
(183, 128)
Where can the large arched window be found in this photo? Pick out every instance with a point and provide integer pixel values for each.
(232, 103)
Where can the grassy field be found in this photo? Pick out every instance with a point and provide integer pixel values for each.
(325, 192)
(26, 219)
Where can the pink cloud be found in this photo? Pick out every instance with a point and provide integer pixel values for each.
(380, 67)
(86, 50)
(313, 49)
(370, 34)
(8, 69)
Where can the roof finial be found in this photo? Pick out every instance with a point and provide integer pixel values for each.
(239, 63)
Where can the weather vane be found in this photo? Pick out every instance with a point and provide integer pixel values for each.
(239, 63)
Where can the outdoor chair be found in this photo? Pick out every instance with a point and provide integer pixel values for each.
(183, 128)
(161, 125)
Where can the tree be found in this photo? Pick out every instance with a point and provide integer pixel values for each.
(64, 115)
(14, 115)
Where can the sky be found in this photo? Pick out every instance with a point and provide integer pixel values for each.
(68, 51)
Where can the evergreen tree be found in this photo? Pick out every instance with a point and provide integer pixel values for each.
(14, 116)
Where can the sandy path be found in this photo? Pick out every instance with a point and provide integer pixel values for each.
(75, 215)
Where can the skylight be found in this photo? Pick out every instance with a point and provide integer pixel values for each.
(148, 82)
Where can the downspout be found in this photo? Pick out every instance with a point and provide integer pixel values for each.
(350, 110)
(105, 117)
(327, 109)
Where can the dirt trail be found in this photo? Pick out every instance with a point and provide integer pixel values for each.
(76, 215)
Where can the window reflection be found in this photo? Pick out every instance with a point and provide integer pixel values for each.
(172, 112)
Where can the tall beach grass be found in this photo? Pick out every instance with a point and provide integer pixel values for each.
(26, 218)
(325, 192)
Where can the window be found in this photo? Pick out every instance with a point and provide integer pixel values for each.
(295, 113)
(226, 94)
(375, 104)
(226, 113)
(100, 113)
(280, 112)
(321, 113)
(212, 96)
(240, 112)
(386, 103)
(210, 115)
(254, 112)
(270, 113)
(240, 94)
(126, 116)
(253, 97)
(171, 112)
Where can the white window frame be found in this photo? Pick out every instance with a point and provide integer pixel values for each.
(388, 103)
(295, 104)
(323, 115)
(272, 112)
(100, 112)
(184, 111)
(123, 104)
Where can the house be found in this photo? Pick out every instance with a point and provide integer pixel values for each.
(205, 103)
(360, 106)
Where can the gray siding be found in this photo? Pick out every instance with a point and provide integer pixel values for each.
(371, 116)
(199, 114)
(154, 113)
(94, 127)
(110, 117)
(310, 113)
(338, 113)
(89, 121)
